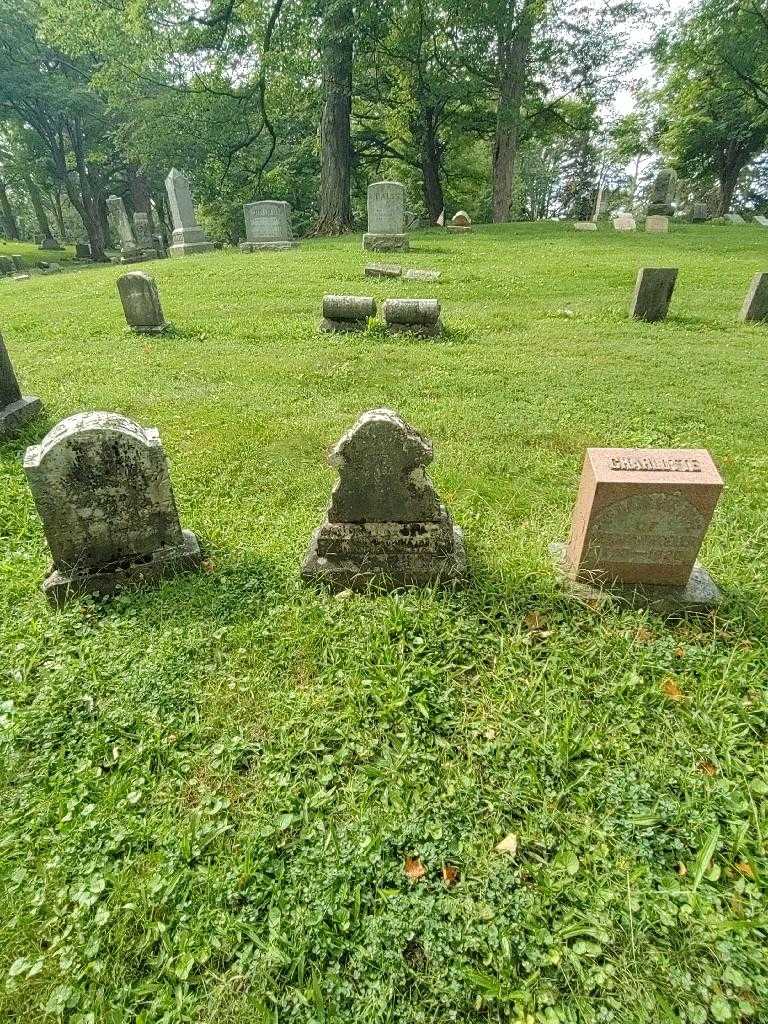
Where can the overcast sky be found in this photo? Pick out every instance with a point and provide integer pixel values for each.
(623, 100)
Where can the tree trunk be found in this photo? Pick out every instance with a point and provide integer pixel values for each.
(335, 214)
(430, 166)
(37, 205)
(514, 47)
(141, 194)
(89, 197)
(59, 215)
(10, 227)
(729, 167)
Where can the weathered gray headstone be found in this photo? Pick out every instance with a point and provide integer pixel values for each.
(82, 251)
(699, 213)
(624, 222)
(663, 193)
(653, 292)
(413, 316)
(267, 226)
(129, 251)
(385, 519)
(762, 221)
(103, 492)
(657, 224)
(143, 235)
(460, 222)
(50, 244)
(141, 303)
(756, 303)
(347, 312)
(421, 275)
(383, 270)
(20, 264)
(15, 408)
(188, 236)
(734, 218)
(386, 217)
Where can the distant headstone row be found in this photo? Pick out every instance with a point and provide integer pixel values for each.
(344, 313)
(655, 285)
(103, 491)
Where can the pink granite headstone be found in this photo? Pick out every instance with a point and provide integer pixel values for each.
(641, 515)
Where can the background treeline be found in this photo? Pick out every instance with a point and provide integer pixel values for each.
(500, 107)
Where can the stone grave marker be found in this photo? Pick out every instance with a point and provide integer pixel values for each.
(20, 264)
(460, 221)
(129, 251)
(7, 266)
(421, 275)
(343, 313)
(638, 523)
(267, 226)
(103, 492)
(50, 244)
(188, 237)
(141, 303)
(82, 251)
(624, 222)
(755, 306)
(657, 225)
(386, 217)
(585, 225)
(699, 213)
(663, 193)
(734, 218)
(383, 270)
(413, 316)
(15, 409)
(385, 520)
(142, 231)
(762, 221)
(653, 293)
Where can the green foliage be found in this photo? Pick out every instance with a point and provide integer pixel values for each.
(210, 787)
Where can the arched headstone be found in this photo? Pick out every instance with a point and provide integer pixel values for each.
(103, 492)
(141, 303)
(385, 518)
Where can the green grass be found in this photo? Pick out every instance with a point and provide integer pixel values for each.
(32, 252)
(211, 786)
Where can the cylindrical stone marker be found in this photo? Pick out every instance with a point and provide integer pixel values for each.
(421, 316)
(347, 312)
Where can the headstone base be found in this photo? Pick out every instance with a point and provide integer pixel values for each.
(423, 330)
(385, 243)
(698, 595)
(459, 228)
(383, 270)
(14, 416)
(267, 246)
(342, 326)
(352, 556)
(150, 329)
(139, 257)
(60, 587)
(189, 248)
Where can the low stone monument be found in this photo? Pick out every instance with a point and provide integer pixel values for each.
(145, 241)
(653, 293)
(624, 222)
(267, 226)
(663, 193)
(585, 225)
(460, 222)
(386, 217)
(755, 306)
(15, 409)
(342, 313)
(385, 520)
(103, 492)
(421, 275)
(699, 213)
(141, 303)
(50, 244)
(129, 251)
(82, 251)
(413, 316)
(762, 221)
(639, 521)
(657, 225)
(383, 270)
(733, 218)
(188, 237)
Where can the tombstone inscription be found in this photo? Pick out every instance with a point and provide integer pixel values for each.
(639, 521)
(103, 492)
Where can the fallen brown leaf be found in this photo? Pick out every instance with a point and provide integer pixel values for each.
(745, 868)
(679, 652)
(209, 566)
(534, 620)
(414, 869)
(672, 690)
(508, 845)
(450, 875)
(643, 635)
(707, 768)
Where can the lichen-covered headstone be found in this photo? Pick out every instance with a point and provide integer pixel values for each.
(385, 520)
(344, 313)
(103, 492)
(383, 270)
(413, 316)
(755, 306)
(141, 303)
(82, 251)
(188, 237)
(267, 226)
(142, 231)
(762, 221)
(386, 217)
(657, 224)
(733, 218)
(653, 293)
(585, 225)
(662, 193)
(15, 409)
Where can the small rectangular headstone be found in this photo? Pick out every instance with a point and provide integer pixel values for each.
(762, 221)
(624, 222)
(141, 303)
(585, 225)
(386, 217)
(756, 302)
(653, 293)
(640, 518)
(734, 218)
(656, 224)
(267, 226)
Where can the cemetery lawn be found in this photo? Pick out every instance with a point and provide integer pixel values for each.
(32, 253)
(232, 798)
